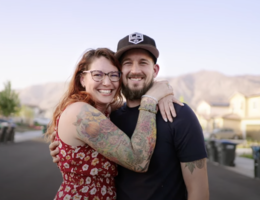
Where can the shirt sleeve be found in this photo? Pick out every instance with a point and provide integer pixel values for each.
(188, 136)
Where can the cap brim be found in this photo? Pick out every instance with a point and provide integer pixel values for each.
(149, 48)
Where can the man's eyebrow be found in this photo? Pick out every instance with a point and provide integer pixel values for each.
(144, 59)
(126, 59)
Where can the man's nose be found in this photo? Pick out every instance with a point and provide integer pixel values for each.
(135, 68)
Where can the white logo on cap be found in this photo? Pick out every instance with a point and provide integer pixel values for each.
(136, 38)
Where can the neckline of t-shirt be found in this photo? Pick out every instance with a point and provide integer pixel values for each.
(130, 108)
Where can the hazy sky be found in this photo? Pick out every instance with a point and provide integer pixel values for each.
(41, 41)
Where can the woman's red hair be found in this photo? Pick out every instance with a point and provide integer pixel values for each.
(75, 91)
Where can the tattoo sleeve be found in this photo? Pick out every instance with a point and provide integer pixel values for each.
(102, 135)
(195, 164)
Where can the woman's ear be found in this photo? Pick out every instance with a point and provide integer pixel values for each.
(82, 78)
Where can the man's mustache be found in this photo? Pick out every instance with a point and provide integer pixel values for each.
(136, 75)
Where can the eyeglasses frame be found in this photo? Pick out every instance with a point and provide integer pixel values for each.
(106, 74)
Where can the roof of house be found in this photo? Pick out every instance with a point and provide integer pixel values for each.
(231, 116)
(217, 102)
(245, 94)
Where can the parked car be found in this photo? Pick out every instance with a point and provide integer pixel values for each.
(224, 133)
(9, 122)
(4, 123)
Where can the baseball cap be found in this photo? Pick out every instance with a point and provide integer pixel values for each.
(137, 41)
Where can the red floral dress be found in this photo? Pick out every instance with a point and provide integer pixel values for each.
(86, 174)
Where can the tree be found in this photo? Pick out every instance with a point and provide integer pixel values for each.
(26, 114)
(9, 101)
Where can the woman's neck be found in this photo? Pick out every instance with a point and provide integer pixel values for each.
(101, 107)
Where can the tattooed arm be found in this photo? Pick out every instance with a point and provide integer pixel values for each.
(101, 134)
(196, 179)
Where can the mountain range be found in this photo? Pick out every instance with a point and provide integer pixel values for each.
(192, 88)
(213, 87)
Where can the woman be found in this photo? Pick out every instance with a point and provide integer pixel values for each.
(90, 144)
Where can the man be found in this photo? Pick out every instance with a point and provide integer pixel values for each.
(179, 159)
(178, 166)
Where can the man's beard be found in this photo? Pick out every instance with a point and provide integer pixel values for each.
(135, 94)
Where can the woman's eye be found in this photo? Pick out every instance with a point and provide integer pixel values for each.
(114, 75)
(97, 74)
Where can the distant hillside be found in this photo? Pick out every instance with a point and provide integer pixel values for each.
(45, 96)
(213, 86)
(193, 87)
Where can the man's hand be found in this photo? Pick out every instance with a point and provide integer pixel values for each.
(54, 150)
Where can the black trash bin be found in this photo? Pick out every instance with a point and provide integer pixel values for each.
(4, 132)
(256, 156)
(1, 132)
(211, 150)
(10, 134)
(226, 152)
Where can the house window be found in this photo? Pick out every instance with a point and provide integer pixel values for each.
(241, 105)
(233, 107)
(254, 105)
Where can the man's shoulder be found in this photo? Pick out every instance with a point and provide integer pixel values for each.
(185, 117)
(183, 111)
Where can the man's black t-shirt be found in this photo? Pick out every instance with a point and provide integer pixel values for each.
(179, 141)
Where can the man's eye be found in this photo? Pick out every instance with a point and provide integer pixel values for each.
(126, 63)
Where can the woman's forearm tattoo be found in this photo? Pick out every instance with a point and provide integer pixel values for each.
(102, 135)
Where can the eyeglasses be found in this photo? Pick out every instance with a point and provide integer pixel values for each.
(98, 75)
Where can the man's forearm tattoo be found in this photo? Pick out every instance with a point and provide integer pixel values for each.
(192, 165)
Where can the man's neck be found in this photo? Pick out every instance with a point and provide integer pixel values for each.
(133, 103)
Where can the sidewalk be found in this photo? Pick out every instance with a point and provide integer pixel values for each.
(244, 166)
(21, 137)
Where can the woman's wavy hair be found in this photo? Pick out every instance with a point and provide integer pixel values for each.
(77, 93)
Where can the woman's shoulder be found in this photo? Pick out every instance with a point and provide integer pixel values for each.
(73, 110)
(79, 109)
(77, 106)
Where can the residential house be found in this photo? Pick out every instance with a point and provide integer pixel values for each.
(208, 113)
(30, 114)
(241, 113)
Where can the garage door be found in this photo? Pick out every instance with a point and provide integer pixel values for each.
(253, 131)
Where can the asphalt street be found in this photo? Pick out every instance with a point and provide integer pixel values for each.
(27, 173)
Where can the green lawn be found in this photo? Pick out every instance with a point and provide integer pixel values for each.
(247, 156)
(23, 128)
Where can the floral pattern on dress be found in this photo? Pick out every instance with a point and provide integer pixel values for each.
(87, 175)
